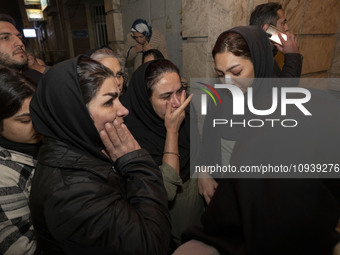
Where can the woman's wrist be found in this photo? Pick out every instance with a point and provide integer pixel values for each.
(172, 153)
(172, 132)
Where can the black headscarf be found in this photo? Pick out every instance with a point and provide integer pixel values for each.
(58, 110)
(260, 49)
(262, 59)
(29, 149)
(147, 128)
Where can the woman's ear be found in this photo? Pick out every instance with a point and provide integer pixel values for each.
(265, 27)
(30, 60)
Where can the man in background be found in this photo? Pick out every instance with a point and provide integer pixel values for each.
(12, 49)
(268, 14)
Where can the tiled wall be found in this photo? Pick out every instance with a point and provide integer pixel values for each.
(314, 22)
(203, 21)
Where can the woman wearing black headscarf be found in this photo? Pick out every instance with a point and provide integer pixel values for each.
(87, 198)
(238, 60)
(275, 216)
(155, 99)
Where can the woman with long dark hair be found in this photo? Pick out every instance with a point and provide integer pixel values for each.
(19, 145)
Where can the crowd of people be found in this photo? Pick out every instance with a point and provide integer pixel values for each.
(94, 162)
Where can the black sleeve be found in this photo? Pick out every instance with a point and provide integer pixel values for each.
(291, 68)
(126, 216)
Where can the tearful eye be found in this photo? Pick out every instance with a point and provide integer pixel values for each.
(180, 90)
(237, 74)
(219, 74)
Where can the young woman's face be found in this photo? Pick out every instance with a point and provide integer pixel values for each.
(114, 65)
(139, 37)
(105, 105)
(19, 128)
(240, 70)
(167, 90)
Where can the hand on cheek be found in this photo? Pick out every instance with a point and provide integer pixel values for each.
(117, 140)
(173, 120)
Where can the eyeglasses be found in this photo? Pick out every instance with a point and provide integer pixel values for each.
(119, 75)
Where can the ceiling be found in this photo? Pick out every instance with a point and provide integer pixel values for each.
(12, 8)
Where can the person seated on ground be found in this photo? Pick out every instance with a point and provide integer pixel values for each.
(95, 191)
(280, 214)
(151, 54)
(143, 37)
(115, 62)
(158, 121)
(19, 145)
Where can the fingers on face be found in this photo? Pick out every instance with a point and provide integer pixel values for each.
(168, 108)
(106, 139)
(112, 133)
(126, 135)
(186, 102)
(121, 132)
(183, 96)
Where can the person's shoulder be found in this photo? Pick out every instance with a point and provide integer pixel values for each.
(12, 158)
(15, 169)
(52, 154)
(33, 75)
(158, 36)
(4, 153)
(156, 31)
